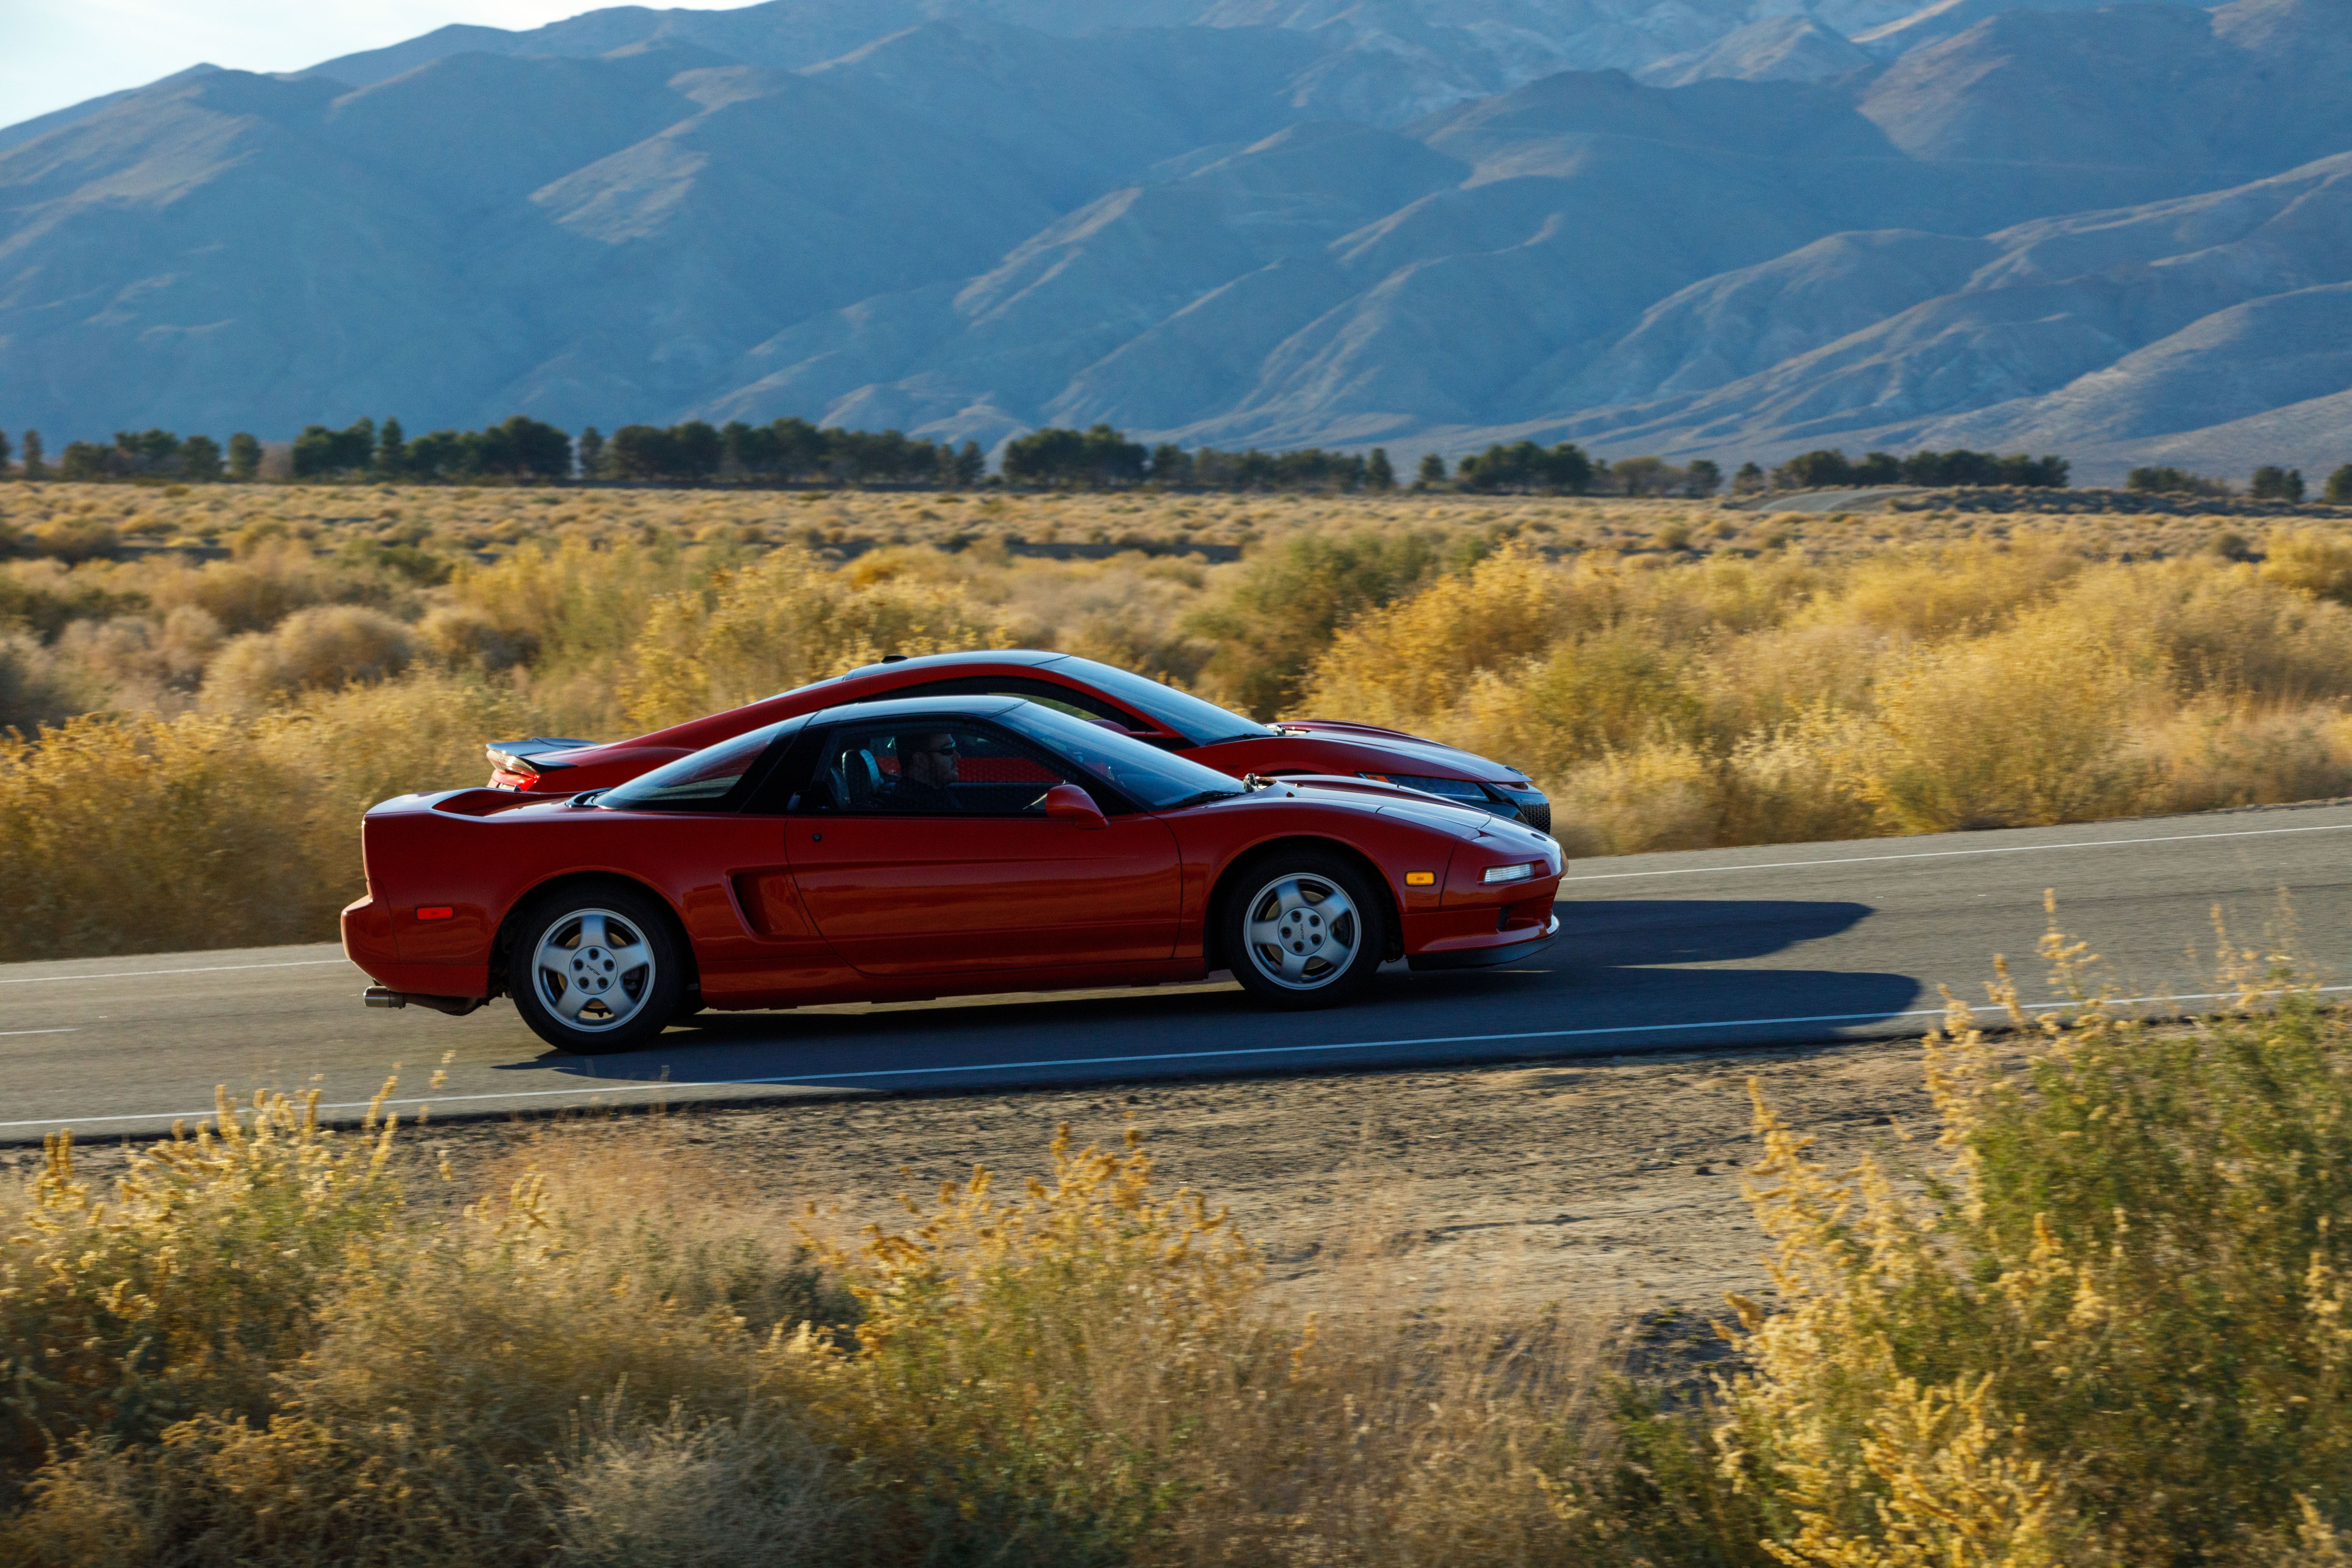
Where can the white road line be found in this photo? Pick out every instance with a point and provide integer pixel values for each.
(207, 969)
(9, 1033)
(1947, 854)
(617, 1085)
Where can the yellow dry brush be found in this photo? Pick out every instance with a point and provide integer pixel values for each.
(2105, 1323)
(188, 1289)
(1761, 681)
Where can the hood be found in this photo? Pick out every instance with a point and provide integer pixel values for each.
(1440, 761)
(1388, 800)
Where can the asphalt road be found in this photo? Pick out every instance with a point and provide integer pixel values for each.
(1710, 949)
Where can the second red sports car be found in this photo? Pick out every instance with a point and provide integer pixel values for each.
(1157, 714)
(926, 847)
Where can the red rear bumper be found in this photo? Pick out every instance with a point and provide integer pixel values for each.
(368, 941)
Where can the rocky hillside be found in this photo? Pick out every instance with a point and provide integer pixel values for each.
(1706, 227)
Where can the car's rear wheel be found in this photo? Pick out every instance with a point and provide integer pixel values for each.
(1304, 929)
(596, 970)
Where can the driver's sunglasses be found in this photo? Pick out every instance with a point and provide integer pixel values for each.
(947, 750)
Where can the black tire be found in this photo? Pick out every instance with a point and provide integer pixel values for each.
(611, 947)
(1282, 940)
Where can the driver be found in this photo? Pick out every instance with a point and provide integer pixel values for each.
(927, 766)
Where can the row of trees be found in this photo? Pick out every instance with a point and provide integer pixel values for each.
(1832, 469)
(693, 452)
(140, 455)
(1103, 458)
(518, 447)
(786, 450)
(2270, 482)
(1100, 457)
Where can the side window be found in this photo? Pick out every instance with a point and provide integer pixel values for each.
(927, 768)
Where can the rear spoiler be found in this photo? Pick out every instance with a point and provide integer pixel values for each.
(538, 754)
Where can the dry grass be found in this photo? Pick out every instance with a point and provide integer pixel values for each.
(1946, 686)
(222, 705)
(2102, 1321)
(613, 1357)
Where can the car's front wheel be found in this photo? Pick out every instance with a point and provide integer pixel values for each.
(1304, 929)
(596, 970)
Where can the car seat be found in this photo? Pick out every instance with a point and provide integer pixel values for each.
(856, 779)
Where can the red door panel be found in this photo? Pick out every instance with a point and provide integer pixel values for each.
(947, 895)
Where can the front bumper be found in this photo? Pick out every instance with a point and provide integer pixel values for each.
(1504, 947)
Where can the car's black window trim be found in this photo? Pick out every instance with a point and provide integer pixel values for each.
(737, 799)
(782, 773)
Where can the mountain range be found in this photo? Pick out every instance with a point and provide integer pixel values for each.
(1733, 228)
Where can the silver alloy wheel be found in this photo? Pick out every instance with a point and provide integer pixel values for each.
(1303, 931)
(592, 969)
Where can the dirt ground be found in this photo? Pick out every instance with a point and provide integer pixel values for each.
(1611, 1184)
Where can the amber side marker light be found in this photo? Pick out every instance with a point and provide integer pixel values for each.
(435, 912)
(1421, 879)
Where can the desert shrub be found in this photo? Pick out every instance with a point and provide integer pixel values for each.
(1926, 595)
(72, 539)
(312, 650)
(1679, 706)
(462, 1391)
(2023, 728)
(269, 580)
(141, 662)
(781, 621)
(576, 611)
(2227, 629)
(464, 636)
(1411, 658)
(1021, 1365)
(611, 1358)
(235, 830)
(754, 1487)
(2221, 751)
(2105, 1325)
(1291, 600)
(1131, 611)
(2316, 561)
(184, 1295)
(1665, 701)
(44, 597)
(34, 688)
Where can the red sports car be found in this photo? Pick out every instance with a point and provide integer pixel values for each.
(919, 848)
(1155, 714)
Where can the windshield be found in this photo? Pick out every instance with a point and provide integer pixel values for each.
(1144, 774)
(1202, 723)
(702, 782)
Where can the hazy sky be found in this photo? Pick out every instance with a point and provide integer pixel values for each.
(57, 52)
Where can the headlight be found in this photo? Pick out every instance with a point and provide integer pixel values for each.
(1518, 873)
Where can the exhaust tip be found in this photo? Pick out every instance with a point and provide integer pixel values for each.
(383, 996)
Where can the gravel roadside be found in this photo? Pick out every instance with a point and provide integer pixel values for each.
(1611, 1184)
